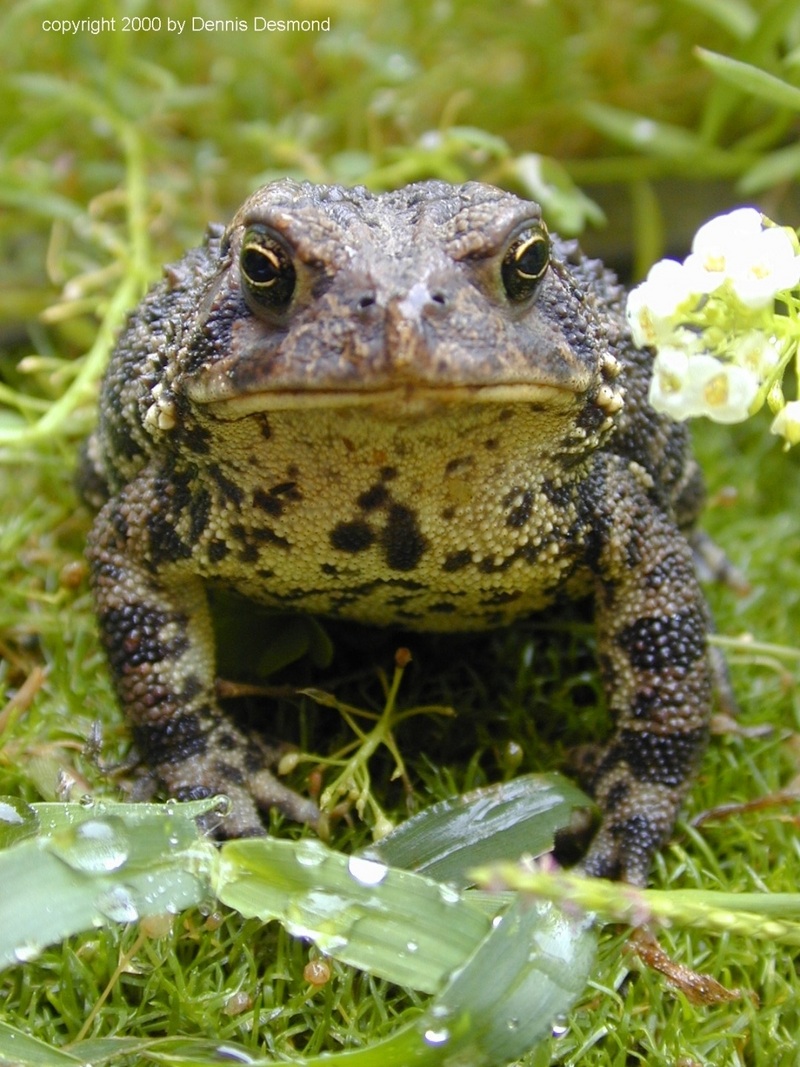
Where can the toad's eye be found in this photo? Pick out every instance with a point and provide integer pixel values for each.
(525, 262)
(267, 270)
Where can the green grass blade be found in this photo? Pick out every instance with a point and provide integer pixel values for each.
(484, 826)
(90, 866)
(393, 923)
(18, 1049)
(751, 80)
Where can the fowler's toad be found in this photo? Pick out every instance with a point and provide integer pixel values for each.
(413, 409)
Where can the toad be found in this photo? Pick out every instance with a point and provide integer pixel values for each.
(416, 409)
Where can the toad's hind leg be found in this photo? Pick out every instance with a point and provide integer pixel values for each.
(156, 629)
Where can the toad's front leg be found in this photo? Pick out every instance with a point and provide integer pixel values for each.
(155, 626)
(652, 624)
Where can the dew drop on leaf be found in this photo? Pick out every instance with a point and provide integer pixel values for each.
(367, 872)
(437, 1037)
(118, 904)
(17, 821)
(95, 847)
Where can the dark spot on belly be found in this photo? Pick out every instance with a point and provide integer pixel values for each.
(200, 510)
(374, 497)
(459, 465)
(266, 536)
(456, 561)
(500, 597)
(521, 512)
(352, 536)
(272, 505)
(217, 550)
(403, 544)
(228, 490)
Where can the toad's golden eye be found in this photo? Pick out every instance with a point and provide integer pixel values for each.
(267, 271)
(525, 263)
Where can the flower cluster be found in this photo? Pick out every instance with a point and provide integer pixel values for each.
(725, 323)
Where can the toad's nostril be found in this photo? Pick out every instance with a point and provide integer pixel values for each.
(439, 298)
(365, 302)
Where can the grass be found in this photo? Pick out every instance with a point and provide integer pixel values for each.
(116, 149)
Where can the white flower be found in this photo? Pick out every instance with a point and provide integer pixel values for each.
(755, 351)
(669, 383)
(723, 235)
(652, 306)
(721, 391)
(684, 386)
(717, 243)
(787, 422)
(758, 262)
(767, 267)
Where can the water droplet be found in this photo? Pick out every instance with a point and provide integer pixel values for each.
(118, 904)
(309, 853)
(17, 821)
(560, 1026)
(95, 846)
(87, 801)
(10, 812)
(367, 872)
(512, 1024)
(412, 946)
(437, 1037)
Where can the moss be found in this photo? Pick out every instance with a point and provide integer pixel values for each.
(117, 148)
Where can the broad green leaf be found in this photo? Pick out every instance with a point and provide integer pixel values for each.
(98, 865)
(102, 863)
(530, 968)
(484, 826)
(751, 80)
(21, 1050)
(393, 923)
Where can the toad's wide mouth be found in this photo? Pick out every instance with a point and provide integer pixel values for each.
(400, 400)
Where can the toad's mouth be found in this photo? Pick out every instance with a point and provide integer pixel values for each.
(397, 400)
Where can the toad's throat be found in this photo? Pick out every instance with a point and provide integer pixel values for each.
(394, 400)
